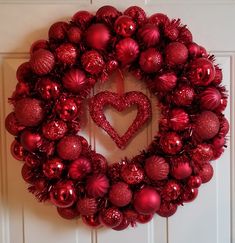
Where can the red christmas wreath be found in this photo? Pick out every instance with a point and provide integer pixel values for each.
(59, 164)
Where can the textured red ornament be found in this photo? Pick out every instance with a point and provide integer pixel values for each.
(30, 141)
(224, 127)
(171, 191)
(22, 89)
(82, 18)
(156, 168)
(194, 181)
(92, 221)
(210, 99)
(32, 160)
(74, 35)
(167, 209)
(68, 213)
(165, 82)
(178, 119)
(132, 174)
(99, 164)
(111, 217)
(218, 142)
(123, 225)
(189, 194)
(183, 95)
(23, 72)
(87, 206)
(206, 172)
(171, 143)
(144, 218)
(58, 31)
(12, 125)
(39, 44)
(66, 53)
(202, 153)
(137, 14)
(159, 19)
(149, 35)
(181, 168)
(194, 50)
(54, 129)
(125, 26)
(79, 168)
(17, 150)
(53, 168)
(107, 14)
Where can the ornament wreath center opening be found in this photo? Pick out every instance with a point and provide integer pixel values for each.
(60, 165)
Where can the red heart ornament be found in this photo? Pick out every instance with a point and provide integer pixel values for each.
(120, 103)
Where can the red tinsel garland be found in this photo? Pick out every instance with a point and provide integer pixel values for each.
(52, 86)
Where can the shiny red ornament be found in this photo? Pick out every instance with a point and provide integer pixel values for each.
(92, 221)
(171, 191)
(53, 168)
(124, 26)
(54, 129)
(180, 167)
(17, 150)
(92, 62)
(218, 142)
(137, 14)
(111, 217)
(206, 172)
(132, 174)
(223, 104)
(66, 54)
(22, 89)
(149, 35)
(87, 206)
(68, 213)
(123, 225)
(97, 185)
(156, 168)
(201, 72)
(183, 95)
(79, 168)
(127, 50)
(107, 14)
(218, 76)
(120, 194)
(23, 72)
(29, 112)
(82, 18)
(202, 153)
(39, 44)
(63, 194)
(30, 141)
(74, 80)
(97, 36)
(69, 147)
(165, 82)
(176, 53)
(150, 60)
(194, 181)
(32, 160)
(189, 194)
(224, 127)
(144, 218)
(99, 164)
(74, 34)
(28, 174)
(159, 19)
(210, 99)
(194, 50)
(48, 89)
(171, 143)
(206, 125)
(12, 125)
(178, 119)
(58, 30)
(167, 209)
(147, 200)
(42, 62)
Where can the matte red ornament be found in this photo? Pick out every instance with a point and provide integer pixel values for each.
(12, 125)
(120, 194)
(125, 26)
(171, 191)
(201, 72)
(107, 14)
(218, 142)
(181, 168)
(69, 147)
(127, 50)
(178, 119)
(111, 217)
(176, 53)
(149, 35)
(167, 209)
(210, 99)
(165, 82)
(144, 218)
(132, 173)
(87, 206)
(123, 225)
(194, 181)
(23, 72)
(33, 160)
(206, 125)
(17, 150)
(39, 44)
(63, 194)
(53, 168)
(99, 164)
(147, 200)
(58, 31)
(97, 36)
(159, 19)
(120, 103)
(82, 18)
(171, 143)
(150, 60)
(79, 168)
(202, 153)
(66, 54)
(42, 62)
(156, 168)
(183, 95)
(29, 112)
(137, 14)
(54, 129)
(189, 194)
(92, 221)
(92, 62)
(30, 141)
(206, 172)
(74, 35)
(68, 213)
(97, 185)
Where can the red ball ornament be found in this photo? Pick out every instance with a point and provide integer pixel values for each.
(123, 225)
(53, 168)
(92, 62)
(12, 125)
(132, 174)
(125, 26)
(69, 147)
(183, 95)
(30, 141)
(194, 181)
(28, 174)
(167, 209)
(149, 35)
(189, 194)
(171, 30)
(201, 72)
(171, 191)
(165, 82)
(218, 76)
(210, 99)
(111, 217)
(74, 35)
(99, 164)
(66, 54)
(54, 129)
(29, 112)
(176, 53)
(97, 185)
(127, 50)
(156, 168)
(92, 221)
(218, 142)
(107, 14)
(39, 44)
(58, 31)
(147, 200)
(185, 36)
(202, 153)
(171, 143)
(223, 104)
(181, 168)
(120, 194)
(23, 72)
(48, 89)
(206, 172)
(68, 213)
(144, 218)
(206, 125)
(224, 127)
(32, 160)
(22, 89)
(87, 206)
(137, 14)
(150, 60)
(74, 80)
(97, 36)
(131, 216)
(82, 18)
(63, 194)
(159, 19)
(17, 151)
(178, 119)
(194, 50)
(79, 168)
(42, 62)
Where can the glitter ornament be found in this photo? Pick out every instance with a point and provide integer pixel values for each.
(206, 172)
(12, 125)
(92, 221)
(74, 35)
(147, 200)
(165, 82)
(82, 18)
(178, 119)
(167, 209)
(183, 95)
(125, 26)
(123, 225)
(159, 19)
(171, 143)
(194, 181)
(29, 112)
(132, 174)
(66, 54)
(107, 14)
(156, 168)
(54, 129)
(30, 141)
(137, 14)
(53, 168)
(210, 99)
(17, 151)
(202, 153)
(87, 206)
(79, 168)
(171, 191)
(149, 35)
(185, 35)
(111, 217)
(42, 62)
(99, 164)
(39, 44)
(58, 31)
(150, 60)
(68, 213)
(181, 168)
(120, 194)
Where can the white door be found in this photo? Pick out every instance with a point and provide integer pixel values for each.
(208, 219)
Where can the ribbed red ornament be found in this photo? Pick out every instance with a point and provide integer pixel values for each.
(82, 18)
(66, 54)
(107, 14)
(53, 168)
(180, 167)
(87, 206)
(58, 30)
(165, 82)
(149, 35)
(79, 168)
(125, 26)
(210, 98)
(74, 35)
(178, 119)
(137, 14)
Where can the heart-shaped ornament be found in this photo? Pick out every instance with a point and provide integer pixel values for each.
(120, 103)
